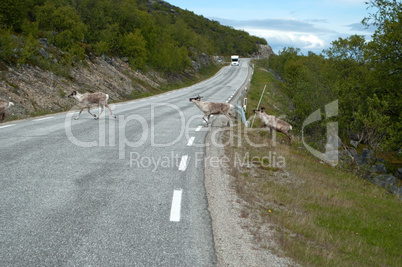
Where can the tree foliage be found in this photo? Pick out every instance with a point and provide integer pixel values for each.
(152, 35)
(364, 76)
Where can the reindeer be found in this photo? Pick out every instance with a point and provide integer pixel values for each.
(274, 123)
(88, 99)
(4, 105)
(211, 108)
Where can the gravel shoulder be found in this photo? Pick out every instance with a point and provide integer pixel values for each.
(234, 243)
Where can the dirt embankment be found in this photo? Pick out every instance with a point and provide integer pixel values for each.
(35, 91)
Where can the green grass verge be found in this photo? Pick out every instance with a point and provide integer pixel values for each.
(320, 215)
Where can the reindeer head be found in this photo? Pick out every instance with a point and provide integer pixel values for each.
(258, 111)
(74, 93)
(198, 98)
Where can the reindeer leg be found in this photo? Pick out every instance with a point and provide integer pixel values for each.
(78, 116)
(111, 113)
(205, 119)
(230, 119)
(209, 116)
(289, 136)
(89, 111)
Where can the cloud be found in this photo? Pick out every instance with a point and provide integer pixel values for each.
(352, 1)
(318, 20)
(309, 35)
(361, 28)
(312, 41)
(282, 33)
(287, 25)
(280, 39)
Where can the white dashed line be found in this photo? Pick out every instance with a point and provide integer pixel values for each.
(190, 141)
(183, 163)
(198, 128)
(176, 206)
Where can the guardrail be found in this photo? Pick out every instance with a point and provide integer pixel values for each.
(239, 108)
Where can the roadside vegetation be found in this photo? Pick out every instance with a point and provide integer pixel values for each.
(150, 35)
(364, 76)
(165, 48)
(323, 215)
(320, 215)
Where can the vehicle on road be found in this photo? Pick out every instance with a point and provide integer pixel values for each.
(235, 60)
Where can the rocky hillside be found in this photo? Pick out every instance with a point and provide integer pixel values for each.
(264, 51)
(35, 91)
(126, 48)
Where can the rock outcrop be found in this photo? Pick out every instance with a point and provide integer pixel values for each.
(371, 168)
(35, 91)
(264, 52)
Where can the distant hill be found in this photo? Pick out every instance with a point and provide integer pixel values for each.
(126, 48)
(148, 34)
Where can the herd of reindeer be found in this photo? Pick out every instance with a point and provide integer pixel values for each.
(87, 100)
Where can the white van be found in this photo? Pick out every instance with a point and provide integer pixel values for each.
(235, 61)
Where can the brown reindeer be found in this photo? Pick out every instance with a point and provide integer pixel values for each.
(89, 99)
(4, 105)
(274, 123)
(211, 108)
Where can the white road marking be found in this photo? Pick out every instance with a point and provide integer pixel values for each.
(190, 141)
(183, 163)
(42, 119)
(176, 206)
(198, 128)
(5, 126)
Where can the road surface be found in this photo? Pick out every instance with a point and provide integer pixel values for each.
(111, 192)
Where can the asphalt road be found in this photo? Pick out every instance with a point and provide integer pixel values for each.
(111, 192)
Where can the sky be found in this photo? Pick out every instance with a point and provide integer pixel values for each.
(310, 25)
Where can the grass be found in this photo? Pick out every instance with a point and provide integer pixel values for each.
(185, 81)
(203, 74)
(320, 215)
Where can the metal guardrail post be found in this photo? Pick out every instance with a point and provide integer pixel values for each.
(239, 108)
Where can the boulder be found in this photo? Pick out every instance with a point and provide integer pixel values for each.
(43, 53)
(367, 156)
(396, 190)
(43, 42)
(385, 180)
(354, 143)
(357, 158)
(398, 173)
(379, 168)
(346, 157)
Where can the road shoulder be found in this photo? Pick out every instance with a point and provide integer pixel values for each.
(234, 243)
